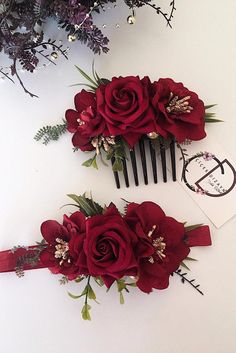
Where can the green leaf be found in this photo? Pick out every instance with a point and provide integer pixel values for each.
(88, 163)
(210, 106)
(69, 204)
(194, 226)
(209, 115)
(133, 284)
(87, 77)
(97, 207)
(86, 205)
(85, 312)
(99, 281)
(102, 160)
(212, 120)
(51, 133)
(91, 162)
(104, 81)
(94, 163)
(74, 197)
(95, 75)
(120, 284)
(110, 154)
(79, 279)
(122, 299)
(78, 296)
(93, 88)
(91, 293)
(188, 258)
(184, 266)
(118, 165)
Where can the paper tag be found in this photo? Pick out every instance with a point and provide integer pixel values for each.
(209, 178)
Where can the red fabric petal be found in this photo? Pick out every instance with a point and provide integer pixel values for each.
(77, 220)
(111, 210)
(152, 276)
(199, 237)
(83, 100)
(71, 118)
(51, 230)
(149, 214)
(132, 138)
(48, 259)
(82, 142)
(175, 257)
(172, 231)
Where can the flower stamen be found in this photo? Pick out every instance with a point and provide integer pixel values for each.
(80, 122)
(103, 141)
(159, 246)
(178, 106)
(150, 233)
(62, 251)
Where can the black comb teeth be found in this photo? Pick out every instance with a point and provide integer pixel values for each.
(155, 147)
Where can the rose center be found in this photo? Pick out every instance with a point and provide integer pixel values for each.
(102, 248)
(62, 251)
(178, 106)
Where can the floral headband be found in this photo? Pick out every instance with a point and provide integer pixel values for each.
(141, 248)
(111, 117)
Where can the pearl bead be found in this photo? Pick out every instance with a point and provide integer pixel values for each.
(54, 55)
(131, 20)
(152, 135)
(71, 37)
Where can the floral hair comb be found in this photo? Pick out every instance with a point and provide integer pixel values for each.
(141, 248)
(117, 118)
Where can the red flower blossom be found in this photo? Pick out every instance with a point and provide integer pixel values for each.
(63, 253)
(179, 112)
(112, 247)
(166, 235)
(124, 105)
(84, 122)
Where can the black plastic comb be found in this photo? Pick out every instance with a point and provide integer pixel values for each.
(143, 156)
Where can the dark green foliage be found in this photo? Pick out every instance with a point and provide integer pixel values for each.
(50, 133)
(183, 276)
(87, 205)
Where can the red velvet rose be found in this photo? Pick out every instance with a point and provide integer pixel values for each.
(166, 235)
(111, 247)
(179, 112)
(84, 122)
(64, 253)
(125, 106)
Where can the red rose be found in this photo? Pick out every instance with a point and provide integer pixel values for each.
(84, 121)
(110, 246)
(166, 236)
(124, 104)
(64, 253)
(179, 112)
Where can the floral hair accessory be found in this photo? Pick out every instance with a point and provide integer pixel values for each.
(141, 248)
(113, 116)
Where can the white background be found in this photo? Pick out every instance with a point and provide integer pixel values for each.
(36, 314)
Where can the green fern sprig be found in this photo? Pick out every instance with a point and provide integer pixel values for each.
(209, 116)
(51, 133)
